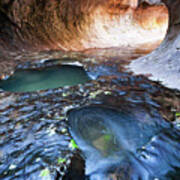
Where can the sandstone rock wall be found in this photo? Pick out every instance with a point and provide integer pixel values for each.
(49, 24)
(164, 62)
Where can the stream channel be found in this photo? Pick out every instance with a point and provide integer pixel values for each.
(94, 121)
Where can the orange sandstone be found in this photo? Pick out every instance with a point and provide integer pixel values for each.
(78, 25)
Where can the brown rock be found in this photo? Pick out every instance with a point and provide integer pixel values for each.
(79, 25)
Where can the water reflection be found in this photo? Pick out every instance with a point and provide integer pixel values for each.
(46, 78)
(127, 137)
(118, 142)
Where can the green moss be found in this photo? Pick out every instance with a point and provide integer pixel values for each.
(73, 144)
(45, 172)
(107, 137)
(177, 114)
(61, 160)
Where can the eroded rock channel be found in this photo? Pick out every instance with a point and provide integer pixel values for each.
(99, 120)
(126, 127)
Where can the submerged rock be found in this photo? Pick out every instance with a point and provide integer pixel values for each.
(135, 131)
(98, 28)
(34, 128)
(115, 29)
(44, 78)
(129, 143)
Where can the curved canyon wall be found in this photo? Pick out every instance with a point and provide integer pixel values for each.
(80, 25)
(164, 63)
(38, 25)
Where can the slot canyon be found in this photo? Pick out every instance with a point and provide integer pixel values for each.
(90, 89)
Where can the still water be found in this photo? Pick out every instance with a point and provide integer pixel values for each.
(46, 78)
(120, 142)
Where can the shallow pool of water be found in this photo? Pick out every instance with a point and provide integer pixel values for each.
(126, 137)
(46, 78)
(121, 143)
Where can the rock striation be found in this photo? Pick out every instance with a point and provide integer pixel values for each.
(164, 63)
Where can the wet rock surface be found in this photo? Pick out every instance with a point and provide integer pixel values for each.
(129, 143)
(35, 134)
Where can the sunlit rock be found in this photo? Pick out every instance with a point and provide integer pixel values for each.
(35, 141)
(163, 64)
(92, 24)
(124, 29)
